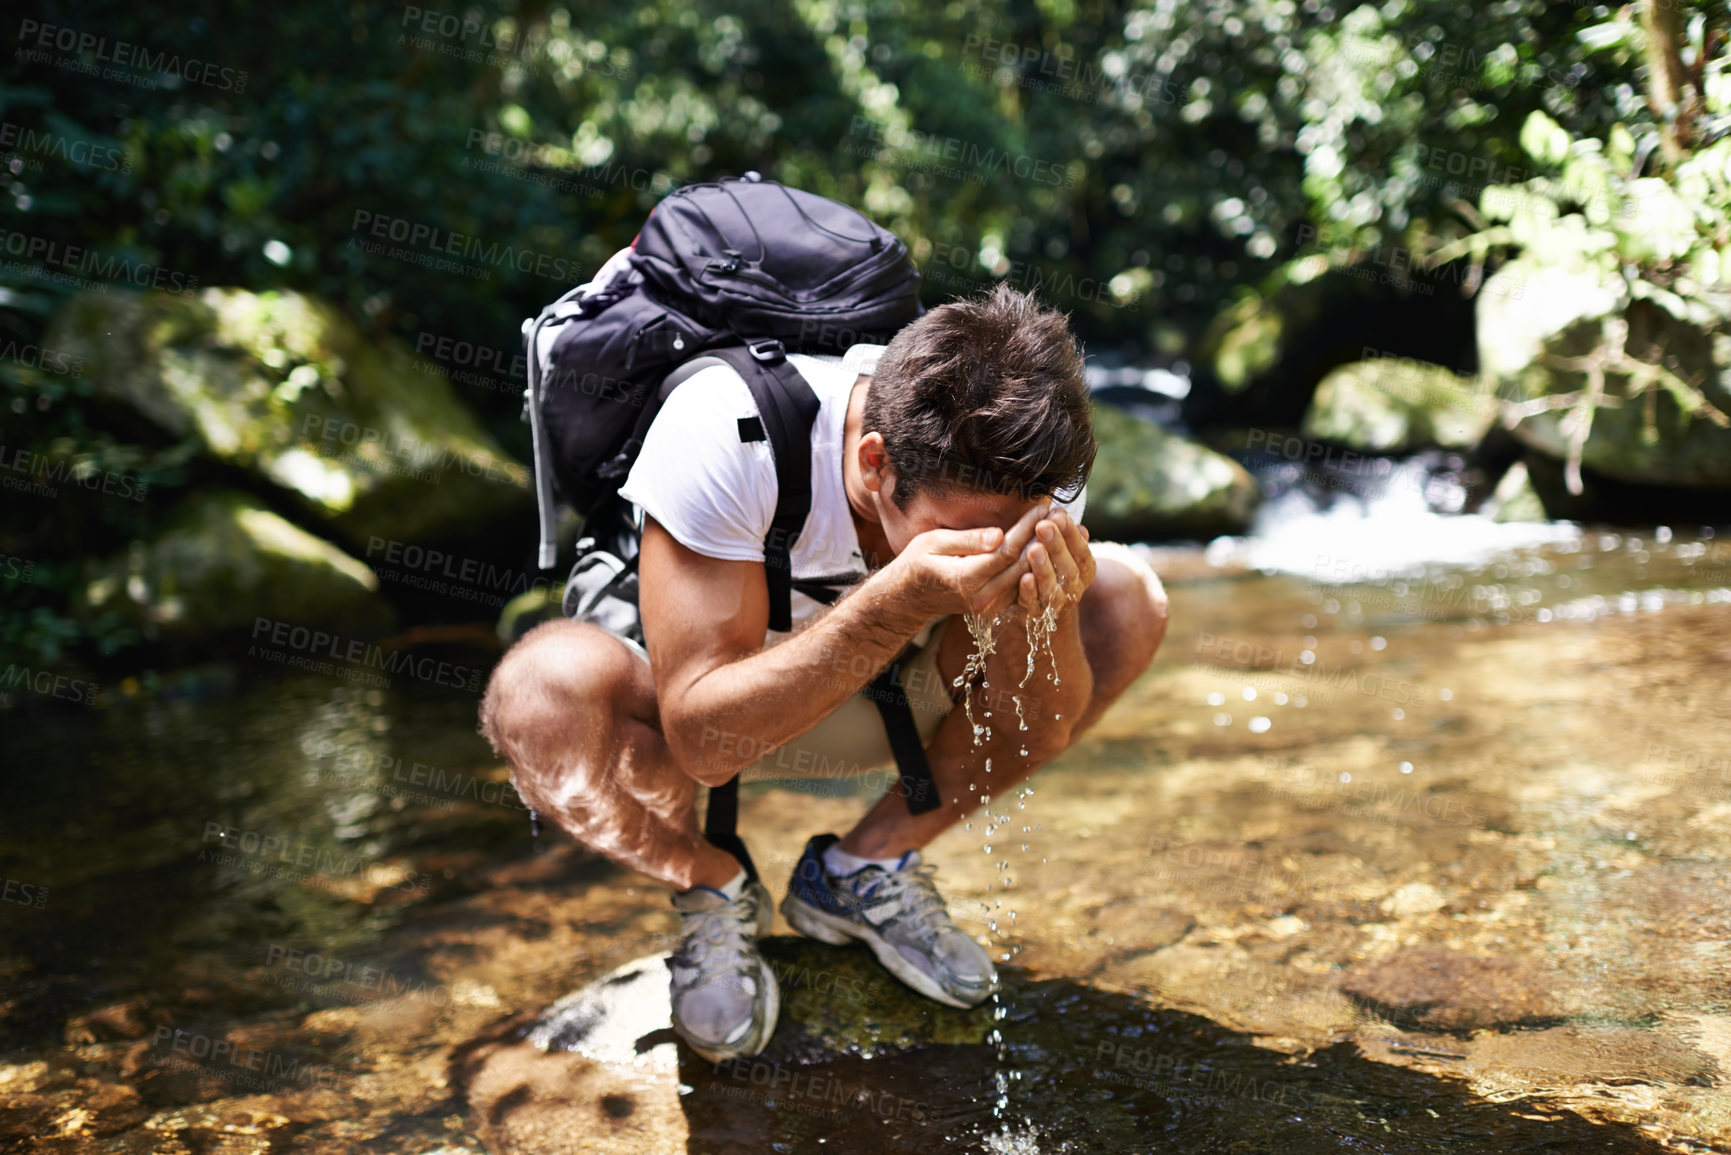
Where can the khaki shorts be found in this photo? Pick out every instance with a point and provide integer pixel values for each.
(851, 740)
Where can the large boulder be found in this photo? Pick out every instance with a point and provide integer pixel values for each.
(1150, 483)
(1398, 405)
(361, 433)
(1540, 325)
(226, 561)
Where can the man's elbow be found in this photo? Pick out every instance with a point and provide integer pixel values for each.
(709, 755)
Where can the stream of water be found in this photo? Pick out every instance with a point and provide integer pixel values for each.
(1415, 838)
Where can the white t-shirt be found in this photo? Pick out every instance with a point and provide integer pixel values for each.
(716, 494)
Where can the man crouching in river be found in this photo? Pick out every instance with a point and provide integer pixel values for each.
(947, 478)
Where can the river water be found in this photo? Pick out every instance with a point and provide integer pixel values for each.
(1415, 838)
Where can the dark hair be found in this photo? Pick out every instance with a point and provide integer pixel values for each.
(984, 394)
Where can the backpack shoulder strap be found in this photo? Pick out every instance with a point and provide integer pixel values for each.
(788, 407)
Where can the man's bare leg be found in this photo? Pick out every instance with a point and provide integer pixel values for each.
(573, 710)
(1123, 619)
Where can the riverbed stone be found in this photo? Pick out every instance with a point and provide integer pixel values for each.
(1149, 482)
(227, 560)
(362, 434)
(1434, 988)
(1538, 327)
(1399, 405)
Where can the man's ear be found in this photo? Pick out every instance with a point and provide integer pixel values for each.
(875, 471)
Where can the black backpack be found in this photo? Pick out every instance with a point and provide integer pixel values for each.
(741, 272)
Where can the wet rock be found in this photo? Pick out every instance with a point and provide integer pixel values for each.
(1149, 482)
(1397, 405)
(1432, 988)
(1539, 327)
(1515, 499)
(364, 435)
(833, 1002)
(225, 561)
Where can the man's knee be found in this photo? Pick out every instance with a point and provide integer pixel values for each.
(1129, 609)
(560, 674)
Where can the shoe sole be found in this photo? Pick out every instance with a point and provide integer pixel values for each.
(837, 931)
(771, 1015)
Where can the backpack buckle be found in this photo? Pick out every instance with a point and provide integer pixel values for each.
(768, 352)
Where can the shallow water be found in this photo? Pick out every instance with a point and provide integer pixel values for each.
(1384, 854)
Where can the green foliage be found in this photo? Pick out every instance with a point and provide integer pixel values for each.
(1138, 162)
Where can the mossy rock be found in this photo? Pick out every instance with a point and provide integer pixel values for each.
(1537, 322)
(1151, 483)
(1396, 405)
(528, 610)
(227, 560)
(364, 435)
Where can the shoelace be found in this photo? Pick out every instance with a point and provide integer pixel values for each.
(916, 890)
(720, 932)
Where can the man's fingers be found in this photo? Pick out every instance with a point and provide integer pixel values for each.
(1076, 543)
(1020, 534)
(1063, 565)
(1045, 576)
(963, 542)
(1001, 584)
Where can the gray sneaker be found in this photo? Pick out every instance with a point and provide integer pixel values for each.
(899, 914)
(725, 997)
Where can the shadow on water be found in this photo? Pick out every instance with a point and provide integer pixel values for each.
(859, 1065)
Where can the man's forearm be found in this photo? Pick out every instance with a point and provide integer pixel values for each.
(784, 690)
